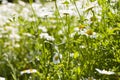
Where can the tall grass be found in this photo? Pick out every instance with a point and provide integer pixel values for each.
(64, 43)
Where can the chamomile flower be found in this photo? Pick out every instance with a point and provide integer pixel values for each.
(1, 36)
(14, 37)
(27, 34)
(56, 58)
(16, 45)
(76, 29)
(28, 71)
(67, 12)
(2, 78)
(47, 36)
(82, 27)
(90, 33)
(44, 29)
(71, 54)
(82, 32)
(104, 72)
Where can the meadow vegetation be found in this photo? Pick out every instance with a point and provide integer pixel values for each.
(69, 40)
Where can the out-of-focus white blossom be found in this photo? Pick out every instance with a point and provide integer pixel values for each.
(82, 46)
(44, 12)
(36, 6)
(28, 71)
(21, 3)
(67, 12)
(14, 37)
(105, 72)
(32, 19)
(2, 78)
(27, 34)
(71, 54)
(60, 32)
(84, 31)
(10, 29)
(56, 58)
(1, 36)
(46, 36)
(72, 34)
(6, 44)
(16, 45)
(90, 33)
(44, 29)
(76, 29)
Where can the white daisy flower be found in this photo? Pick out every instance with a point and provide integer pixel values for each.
(1, 36)
(44, 29)
(76, 29)
(60, 32)
(16, 45)
(56, 58)
(14, 37)
(28, 71)
(81, 32)
(27, 34)
(47, 36)
(2, 78)
(67, 12)
(72, 34)
(104, 72)
(71, 54)
(90, 33)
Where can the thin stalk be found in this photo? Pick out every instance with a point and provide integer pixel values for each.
(68, 39)
(58, 10)
(35, 16)
(76, 8)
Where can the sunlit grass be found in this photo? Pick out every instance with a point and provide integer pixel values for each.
(72, 40)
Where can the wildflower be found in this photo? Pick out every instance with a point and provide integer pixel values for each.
(82, 32)
(2, 78)
(91, 5)
(82, 46)
(1, 36)
(72, 34)
(46, 36)
(14, 36)
(44, 12)
(16, 45)
(60, 32)
(28, 71)
(56, 58)
(90, 33)
(71, 54)
(11, 29)
(104, 72)
(67, 12)
(27, 34)
(81, 27)
(42, 28)
(76, 29)
(21, 3)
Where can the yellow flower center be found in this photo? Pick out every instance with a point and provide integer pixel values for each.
(56, 58)
(81, 27)
(89, 32)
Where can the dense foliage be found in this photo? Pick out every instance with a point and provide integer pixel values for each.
(68, 40)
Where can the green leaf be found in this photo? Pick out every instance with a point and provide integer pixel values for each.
(66, 2)
(76, 54)
(118, 24)
(78, 69)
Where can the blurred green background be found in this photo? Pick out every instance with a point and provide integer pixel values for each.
(28, 1)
